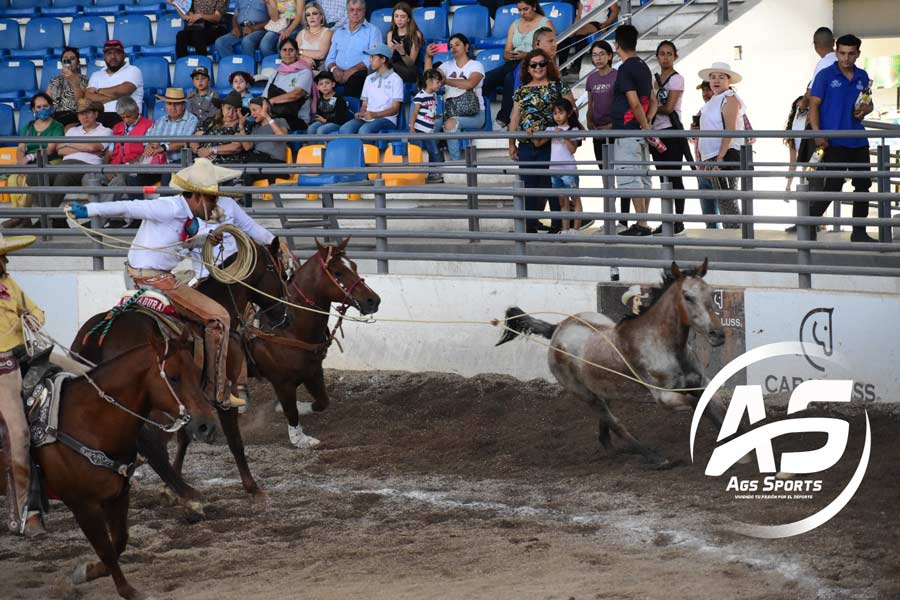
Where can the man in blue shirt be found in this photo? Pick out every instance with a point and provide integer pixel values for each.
(347, 59)
(833, 106)
(247, 27)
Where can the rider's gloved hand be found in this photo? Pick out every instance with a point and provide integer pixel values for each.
(79, 210)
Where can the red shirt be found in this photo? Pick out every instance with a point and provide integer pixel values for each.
(126, 153)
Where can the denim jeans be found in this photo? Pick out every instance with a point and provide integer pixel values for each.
(431, 147)
(528, 153)
(322, 128)
(360, 126)
(269, 44)
(473, 123)
(249, 43)
(708, 205)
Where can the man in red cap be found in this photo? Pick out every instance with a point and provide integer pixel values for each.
(116, 80)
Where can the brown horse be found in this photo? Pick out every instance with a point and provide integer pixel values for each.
(264, 283)
(158, 376)
(651, 347)
(291, 354)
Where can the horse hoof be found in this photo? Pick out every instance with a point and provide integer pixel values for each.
(305, 409)
(79, 575)
(197, 507)
(301, 440)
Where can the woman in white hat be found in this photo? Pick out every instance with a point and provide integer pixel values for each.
(14, 303)
(723, 112)
(166, 223)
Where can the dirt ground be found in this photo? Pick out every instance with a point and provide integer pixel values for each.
(430, 485)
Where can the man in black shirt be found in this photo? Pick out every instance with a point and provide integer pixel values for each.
(631, 101)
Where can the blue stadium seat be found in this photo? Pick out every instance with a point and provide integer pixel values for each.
(432, 22)
(183, 68)
(65, 8)
(25, 114)
(9, 36)
(441, 57)
(155, 70)
(18, 79)
(269, 62)
(353, 104)
(167, 27)
(472, 21)
(51, 69)
(491, 58)
(503, 18)
(43, 37)
(7, 120)
(146, 7)
(159, 111)
(339, 154)
(381, 19)
(133, 31)
(106, 8)
(88, 34)
(560, 14)
(94, 65)
(230, 64)
(24, 8)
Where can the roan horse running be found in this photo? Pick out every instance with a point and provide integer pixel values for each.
(158, 376)
(651, 348)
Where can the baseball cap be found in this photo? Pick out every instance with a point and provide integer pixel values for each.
(113, 45)
(200, 71)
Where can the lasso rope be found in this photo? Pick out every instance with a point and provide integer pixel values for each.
(208, 261)
(244, 262)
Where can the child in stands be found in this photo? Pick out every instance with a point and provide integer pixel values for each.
(331, 109)
(200, 100)
(240, 82)
(562, 154)
(424, 114)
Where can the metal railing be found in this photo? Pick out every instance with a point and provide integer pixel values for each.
(469, 230)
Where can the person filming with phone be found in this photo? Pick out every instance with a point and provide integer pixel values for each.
(67, 88)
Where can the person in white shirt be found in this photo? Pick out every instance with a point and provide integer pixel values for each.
(116, 80)
(76, 153)
(381, 96)
(166, 224)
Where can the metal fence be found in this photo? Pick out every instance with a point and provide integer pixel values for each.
(373, 238)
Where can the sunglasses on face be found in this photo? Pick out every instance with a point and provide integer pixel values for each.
(538, 65)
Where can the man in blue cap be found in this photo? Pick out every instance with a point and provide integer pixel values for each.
(382, 94)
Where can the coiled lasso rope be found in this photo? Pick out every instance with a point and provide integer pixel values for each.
(244, 260)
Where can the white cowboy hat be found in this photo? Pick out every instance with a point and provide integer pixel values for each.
(202, 177)
(720, 67)
(15, 242)
(631, 292)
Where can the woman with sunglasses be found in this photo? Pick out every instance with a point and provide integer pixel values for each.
(533, 112)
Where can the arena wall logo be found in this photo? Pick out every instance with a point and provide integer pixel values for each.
(758, 441)
(817, 328)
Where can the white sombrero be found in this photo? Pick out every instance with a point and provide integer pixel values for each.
(720, 67)
(202, 177)
(631, 292)
(11, 243)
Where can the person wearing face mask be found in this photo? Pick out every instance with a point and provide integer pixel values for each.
(115, 81)
(171, 222)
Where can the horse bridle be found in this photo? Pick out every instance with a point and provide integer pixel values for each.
(184, 416)
(272, 267)
(349, 300)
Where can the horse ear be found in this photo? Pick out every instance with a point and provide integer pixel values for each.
(703, 268)
(343, 244)
(275, 246)
(319, 247)
(676, 272)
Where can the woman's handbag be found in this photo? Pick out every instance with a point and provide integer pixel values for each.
(464, 105)
(278, 25)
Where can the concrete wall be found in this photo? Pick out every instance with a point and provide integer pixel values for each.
(454, 335)
(866, 18)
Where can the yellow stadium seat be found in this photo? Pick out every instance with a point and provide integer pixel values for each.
(310, 155)
(373, 157)
(8, 156)
(288, 159)
(416, 157)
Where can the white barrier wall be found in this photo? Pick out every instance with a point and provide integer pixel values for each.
(859, 330)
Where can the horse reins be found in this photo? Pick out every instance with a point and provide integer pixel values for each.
(184, 416)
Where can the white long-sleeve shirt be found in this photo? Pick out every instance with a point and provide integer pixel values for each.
(162, 223)
(234, 215)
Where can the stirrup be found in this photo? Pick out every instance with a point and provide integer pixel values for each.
(233, 402)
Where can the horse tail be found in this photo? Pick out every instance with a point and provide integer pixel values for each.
(517, 322)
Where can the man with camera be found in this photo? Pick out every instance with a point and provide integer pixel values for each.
(116, 80)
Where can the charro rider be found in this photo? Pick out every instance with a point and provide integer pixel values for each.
(169, 224)
(13, 305)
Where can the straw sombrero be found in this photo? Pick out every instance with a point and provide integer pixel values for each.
(11, 243)
(202, 177)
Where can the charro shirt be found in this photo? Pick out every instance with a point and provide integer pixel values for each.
(158, 239)
(234, 215)
(13, 303)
